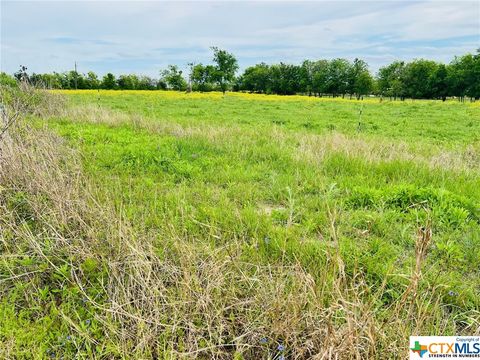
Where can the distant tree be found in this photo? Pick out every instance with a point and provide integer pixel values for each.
(161, 85)
(72, 80)
(64, 83)
(146, 83)
(109, 82)
(92, 81)
(417, 78)
(354, 70)
(364, 84)
(225, 67)
(6, 79)
(307, 72)
(57, 80)
(337, 77)
(455, 79)
(439, 83)
(21, 74)
(173, 78)
(285, 79)
(124, 83)
(390, 79)
(128, 82)
(473, 76)
(464, 75)
(39, 80)
(320, 77)
(203, 77)
(77, 80)
(360, 81)
(256, 78)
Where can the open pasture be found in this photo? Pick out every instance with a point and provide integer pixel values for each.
(277, 225)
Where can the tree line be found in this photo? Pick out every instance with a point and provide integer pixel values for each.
(417, 79)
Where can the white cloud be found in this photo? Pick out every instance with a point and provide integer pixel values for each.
(136, 36)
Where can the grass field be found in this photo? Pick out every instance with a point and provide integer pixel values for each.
(169, 225)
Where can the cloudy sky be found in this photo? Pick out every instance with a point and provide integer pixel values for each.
(144, 36)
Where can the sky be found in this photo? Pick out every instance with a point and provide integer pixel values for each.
(143, 37)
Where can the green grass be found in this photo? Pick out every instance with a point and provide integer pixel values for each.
(427, 122)
(226, 181)
(288, 178)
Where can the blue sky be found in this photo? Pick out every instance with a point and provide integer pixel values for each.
(145, 36)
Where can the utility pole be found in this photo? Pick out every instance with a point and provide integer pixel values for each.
(75, 75)
(190, 76)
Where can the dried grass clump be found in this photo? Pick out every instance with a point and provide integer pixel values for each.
(95, 114)
(315, 148)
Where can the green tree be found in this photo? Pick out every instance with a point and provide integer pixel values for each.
(128, 82)
(6, 79)
(390, 79)
(21, 74)
(337, 76)
(360, 81)
(92, 80)
(56, 80)
(439, 83)
(285, 79)
(203, 77)
(225, 67)
(320, 76)
(109, 82)
(363, 85)
(146, 83)
(256, 78)
(161, 85)
(307, 71)
(464, 76)
(173, 78)
(473, 82)
(417, 78)
(73, 80)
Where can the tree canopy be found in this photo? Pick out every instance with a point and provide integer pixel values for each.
(225, 67)
(417, 79)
